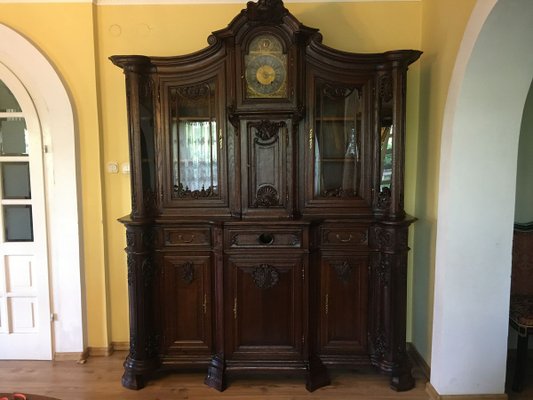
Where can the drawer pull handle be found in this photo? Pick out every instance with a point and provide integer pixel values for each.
(181, 239)
(345, 239)
(266, 238)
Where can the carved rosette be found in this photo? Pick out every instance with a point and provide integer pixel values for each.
(266, 196)
(265, 276)
(187, 272)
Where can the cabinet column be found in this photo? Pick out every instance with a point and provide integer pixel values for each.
(388, 299)
(142, 358)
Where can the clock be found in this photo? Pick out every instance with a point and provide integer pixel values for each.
(266, 69)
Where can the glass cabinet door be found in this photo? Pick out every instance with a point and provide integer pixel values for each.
(195, 142)
(337, 141)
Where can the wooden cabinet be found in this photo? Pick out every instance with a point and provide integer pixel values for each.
(267, 229)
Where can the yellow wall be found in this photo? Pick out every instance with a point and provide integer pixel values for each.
(443, 24)
(64, 34)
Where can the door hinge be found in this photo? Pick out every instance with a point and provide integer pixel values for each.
(235, 308)
(205, 303)
(303, 273)
(303, 339)
(327, 303)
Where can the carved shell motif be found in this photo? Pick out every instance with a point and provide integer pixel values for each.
(266, 196)
(265, 276)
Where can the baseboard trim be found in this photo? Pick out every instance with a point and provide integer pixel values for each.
(418, 360)
(101, 351)
(109, 350)
(434, 395)
(72, 356)
(121, 346)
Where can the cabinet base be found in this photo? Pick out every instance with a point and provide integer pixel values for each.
(136, 373)
(317, 375)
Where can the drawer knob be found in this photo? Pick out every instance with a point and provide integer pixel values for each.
(266, 238)
(345, 239)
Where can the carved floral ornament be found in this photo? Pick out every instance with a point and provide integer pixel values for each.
(267, 130)
(265, 276)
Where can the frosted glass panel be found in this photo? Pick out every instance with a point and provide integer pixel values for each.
(13, 137)
(18, 223)
(8, 103)
(16, 180)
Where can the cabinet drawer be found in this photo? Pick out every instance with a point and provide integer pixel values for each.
(265, 238)
(193, 236)
(344, 236)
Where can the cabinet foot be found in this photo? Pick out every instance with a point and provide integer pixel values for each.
(402, 379)
(317, 374)
(136, 373)
(216, 374)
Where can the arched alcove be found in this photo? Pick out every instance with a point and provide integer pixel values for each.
(478, 169)
(56, 116)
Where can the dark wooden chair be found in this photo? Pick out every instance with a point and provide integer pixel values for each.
(521, 309)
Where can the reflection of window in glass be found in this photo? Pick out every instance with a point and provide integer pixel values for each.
(386, 156)
(196, 167)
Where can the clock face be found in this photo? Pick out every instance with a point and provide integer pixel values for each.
(266, 77)
(265, 69)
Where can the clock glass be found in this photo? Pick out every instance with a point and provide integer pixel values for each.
(266, 68)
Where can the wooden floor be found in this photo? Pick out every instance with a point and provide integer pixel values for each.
(99, 379)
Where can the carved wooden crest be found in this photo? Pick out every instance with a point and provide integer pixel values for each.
(343, 271)
(267, 131)
(187, 272)
(265, 276)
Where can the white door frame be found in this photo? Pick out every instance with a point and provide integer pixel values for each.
(56, 115)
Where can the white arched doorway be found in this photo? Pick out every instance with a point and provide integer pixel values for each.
(481, 129)
(56, 117)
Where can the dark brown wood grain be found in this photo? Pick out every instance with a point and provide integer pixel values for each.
(295, 256)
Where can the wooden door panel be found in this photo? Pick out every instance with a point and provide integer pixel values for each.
(267, 176)
(266, 306)
(186, 309)
(344, 302)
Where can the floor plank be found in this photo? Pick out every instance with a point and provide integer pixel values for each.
(99, 379)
